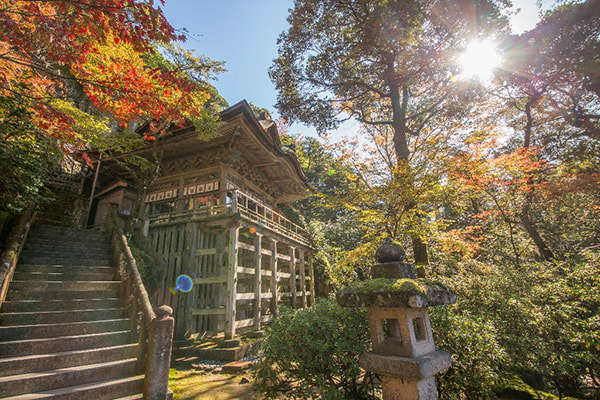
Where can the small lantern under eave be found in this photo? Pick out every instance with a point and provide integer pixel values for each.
(403, 352)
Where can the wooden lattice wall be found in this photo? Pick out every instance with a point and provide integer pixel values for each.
(240, 275)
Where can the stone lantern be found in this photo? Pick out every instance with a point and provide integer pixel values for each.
(403, 351)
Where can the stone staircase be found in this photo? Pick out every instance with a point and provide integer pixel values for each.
(64, 333)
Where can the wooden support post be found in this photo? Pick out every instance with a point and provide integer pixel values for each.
(293, 277)
(234, 201)
(257, 279)
(231, 283)
(302, 279)
(311, 273)
(221, 270)
(223, 185)
(183, 312)
(193, 271)
(181, 206)
(274, 279)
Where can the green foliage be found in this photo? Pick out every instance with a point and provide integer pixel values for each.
(199, 70)
(545, 317)
(150, 264)
(514, 386)
(334, 229)
(26, 157)
(476, 354)
(313, 354)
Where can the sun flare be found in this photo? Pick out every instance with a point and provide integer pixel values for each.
(479, 60)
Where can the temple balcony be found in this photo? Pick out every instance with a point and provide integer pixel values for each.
(249, 210)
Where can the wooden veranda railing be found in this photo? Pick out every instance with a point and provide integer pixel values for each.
(249, 209)
(264, 216)
(154, 329)
(9, 258)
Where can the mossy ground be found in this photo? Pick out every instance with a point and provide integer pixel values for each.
(187, 383)
(514, 387)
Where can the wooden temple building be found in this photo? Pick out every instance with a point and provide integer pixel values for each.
(213, 213)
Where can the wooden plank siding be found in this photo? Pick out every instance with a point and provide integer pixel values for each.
(239, 275)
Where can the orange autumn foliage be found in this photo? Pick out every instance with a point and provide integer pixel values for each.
(51, 49)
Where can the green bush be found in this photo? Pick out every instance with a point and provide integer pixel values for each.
(313, 354)
(536, 321)
(476, 354)
(150, 264)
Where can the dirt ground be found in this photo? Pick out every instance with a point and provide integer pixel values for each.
(189, 383)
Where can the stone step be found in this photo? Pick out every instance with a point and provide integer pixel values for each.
(60, 378)
(76, 236)
(17, 295)
(50, 244)
(64, 230)
(81, 275)
(21, 332)
(102, 390)
(52, 317)
(71, 261)
(59, 305)
(43, 286)
(66, 269)
(65, 359)
(64, 343)
(75, 239)
(82, 239)
(64, 253)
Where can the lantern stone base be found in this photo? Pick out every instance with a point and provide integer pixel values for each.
(399, 389)
(410, 369)
(407, 378)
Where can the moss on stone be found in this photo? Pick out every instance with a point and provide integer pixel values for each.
(387, 285)
(514, 386)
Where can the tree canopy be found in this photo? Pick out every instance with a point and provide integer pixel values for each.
(386, 63)
(80, 69)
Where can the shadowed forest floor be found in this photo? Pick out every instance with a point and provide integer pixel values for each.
(191, 383)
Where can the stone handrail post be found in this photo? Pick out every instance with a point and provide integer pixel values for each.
(159, 354)
(155, 330)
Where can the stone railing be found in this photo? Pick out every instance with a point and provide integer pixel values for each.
(154, 329)
(9, 258)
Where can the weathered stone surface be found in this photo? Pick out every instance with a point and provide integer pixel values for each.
(389, 252)
(433, 296)
(400, 389)
(412, 369)
(400, 338)
(393, 270)
(236, 367)
(219, 353)
(231, 343)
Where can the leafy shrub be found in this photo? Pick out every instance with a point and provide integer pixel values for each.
(544, 316)
(476, 354)
(150, 264)
(313, 354)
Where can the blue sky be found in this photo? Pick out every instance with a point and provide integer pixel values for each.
(244, 34)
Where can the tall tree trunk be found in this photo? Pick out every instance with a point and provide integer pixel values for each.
(545, 252)
(399, 106)
(528, 224)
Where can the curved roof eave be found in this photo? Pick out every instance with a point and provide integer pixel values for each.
(268, 139)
